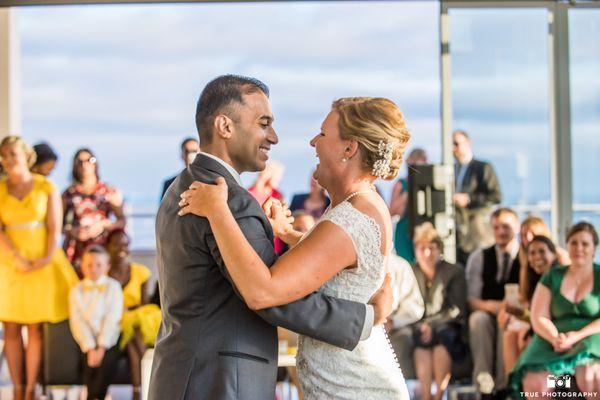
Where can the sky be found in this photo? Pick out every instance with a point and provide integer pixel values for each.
(124, 80)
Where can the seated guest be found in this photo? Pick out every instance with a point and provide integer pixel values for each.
(189, 150)
(96, 305)
(45, 160)
(314, 202)
(565, 314)
(488, 270)
(399, 208)
(438, 335)
(530, 227)
(514, 320)
(141, 320)
(303, 221)
(407, 308)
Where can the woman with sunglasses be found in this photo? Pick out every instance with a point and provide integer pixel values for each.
(92, 208)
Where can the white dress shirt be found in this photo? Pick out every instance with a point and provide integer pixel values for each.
(228, 167)
(95, 310)
(369, 311)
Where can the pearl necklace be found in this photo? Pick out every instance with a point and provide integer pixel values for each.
(351, 195)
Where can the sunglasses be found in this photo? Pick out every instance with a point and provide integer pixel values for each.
(91, 160)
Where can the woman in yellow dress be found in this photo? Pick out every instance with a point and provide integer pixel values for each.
(35, 276)
(141, 320)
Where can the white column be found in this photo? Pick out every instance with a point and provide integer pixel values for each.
(560, 116)
(10, 102)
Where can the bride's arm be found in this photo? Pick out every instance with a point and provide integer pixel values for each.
(302, 270)
(299, 272)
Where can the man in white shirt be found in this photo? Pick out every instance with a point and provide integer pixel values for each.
(488, 270)
(96, 307)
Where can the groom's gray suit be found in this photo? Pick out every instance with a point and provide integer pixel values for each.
(211, 345)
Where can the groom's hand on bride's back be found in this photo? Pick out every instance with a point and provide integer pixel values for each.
(382, 301)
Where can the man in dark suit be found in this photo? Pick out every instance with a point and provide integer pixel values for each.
(477, 190)
(211, 345)
(189, 149)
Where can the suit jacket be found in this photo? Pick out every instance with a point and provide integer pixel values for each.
(210, 344)
(166, 184)
(473, 227)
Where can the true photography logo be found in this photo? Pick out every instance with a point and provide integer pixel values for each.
(558, 382)
(559, 387)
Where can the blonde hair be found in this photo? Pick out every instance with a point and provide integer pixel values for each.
(536, 225)
(17, 140)
(370, 121)
(426, 233)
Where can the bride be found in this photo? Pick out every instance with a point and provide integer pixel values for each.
(361, 139)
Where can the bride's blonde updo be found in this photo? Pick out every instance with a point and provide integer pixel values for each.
(378, 125)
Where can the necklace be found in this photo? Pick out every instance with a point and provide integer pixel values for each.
(351, 195)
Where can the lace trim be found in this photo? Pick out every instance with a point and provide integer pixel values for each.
(357, 212)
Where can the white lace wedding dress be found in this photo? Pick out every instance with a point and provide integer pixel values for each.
(370, 371)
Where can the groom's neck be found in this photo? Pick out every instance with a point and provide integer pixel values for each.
(222, 153)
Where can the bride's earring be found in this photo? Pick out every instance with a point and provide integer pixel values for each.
(344, 159)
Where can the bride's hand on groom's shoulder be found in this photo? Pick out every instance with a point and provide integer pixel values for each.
(202, 199)
(279, 216)
(382, 301)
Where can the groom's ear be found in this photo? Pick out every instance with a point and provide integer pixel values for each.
(223, 126)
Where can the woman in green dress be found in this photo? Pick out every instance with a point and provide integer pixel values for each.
(565, 314)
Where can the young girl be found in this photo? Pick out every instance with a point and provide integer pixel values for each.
(141, 320)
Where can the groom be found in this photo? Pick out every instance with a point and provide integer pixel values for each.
(211, 345)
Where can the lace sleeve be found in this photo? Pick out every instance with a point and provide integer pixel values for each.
(362, 229)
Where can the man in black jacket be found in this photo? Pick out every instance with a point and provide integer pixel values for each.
(477, 190)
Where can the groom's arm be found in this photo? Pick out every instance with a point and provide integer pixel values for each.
(339, 322)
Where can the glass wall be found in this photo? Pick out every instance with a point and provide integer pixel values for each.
(500, 97)
(124, 79)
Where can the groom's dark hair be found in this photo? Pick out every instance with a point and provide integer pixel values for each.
(219, 96)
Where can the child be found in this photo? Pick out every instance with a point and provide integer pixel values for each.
(96, 306)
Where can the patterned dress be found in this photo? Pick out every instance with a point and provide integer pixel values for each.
(84, 210)
(370, 371)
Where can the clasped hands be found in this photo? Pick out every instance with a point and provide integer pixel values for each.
(565, 341)
(95, 357)
(23, 264)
